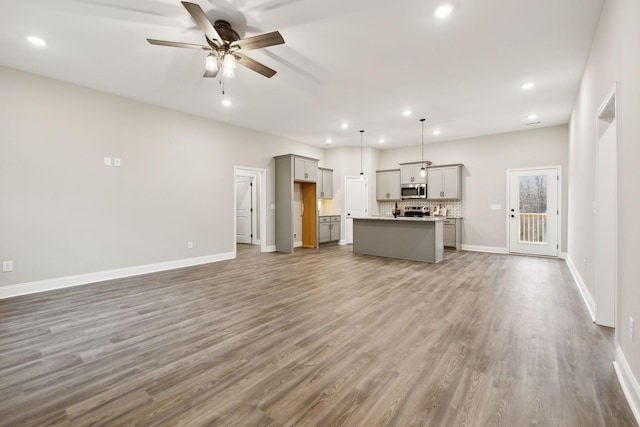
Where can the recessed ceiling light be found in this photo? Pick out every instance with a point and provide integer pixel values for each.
(407, 113)
(36, 41)
(444, 11)
(328, 141)
(226, 102)
(436, 132)
(381, 141)
(345, 126)
(528, 86)
(532, 116)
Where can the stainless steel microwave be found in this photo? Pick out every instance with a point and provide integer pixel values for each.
(414, 191)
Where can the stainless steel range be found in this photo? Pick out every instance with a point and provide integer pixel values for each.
(416, 211)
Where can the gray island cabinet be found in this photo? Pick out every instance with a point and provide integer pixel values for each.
(415, 239)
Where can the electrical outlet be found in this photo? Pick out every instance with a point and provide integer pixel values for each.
(189, 245)
(7, 266)
(631, 328)
(117, 161)
(295, 235)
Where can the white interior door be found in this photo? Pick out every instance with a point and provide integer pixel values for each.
(244, 196)
(533, 211)
(356, 203)
(606, 227)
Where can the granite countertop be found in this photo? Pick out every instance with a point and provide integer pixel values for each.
(405, 218)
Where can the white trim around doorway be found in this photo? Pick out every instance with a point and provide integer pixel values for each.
(559, 205)
(260, 176)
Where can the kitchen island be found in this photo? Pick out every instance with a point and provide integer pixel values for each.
(415, 239)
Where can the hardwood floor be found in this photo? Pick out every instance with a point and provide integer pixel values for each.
(315, 338)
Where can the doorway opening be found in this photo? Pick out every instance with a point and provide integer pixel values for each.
(606, 210)
(250, 213)
(533, 223)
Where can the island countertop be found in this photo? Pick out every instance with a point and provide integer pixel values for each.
(405, 218)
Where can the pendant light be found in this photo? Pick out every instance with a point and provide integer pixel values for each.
(423, 169)
(361, 173)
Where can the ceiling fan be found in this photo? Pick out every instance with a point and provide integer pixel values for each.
(225, 45)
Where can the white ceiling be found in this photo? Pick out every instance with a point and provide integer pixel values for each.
(359, 61)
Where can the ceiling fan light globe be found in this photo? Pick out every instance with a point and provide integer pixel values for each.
(229, 66)
(229, 61)
(211, 63)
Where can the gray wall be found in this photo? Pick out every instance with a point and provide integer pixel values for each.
(614, 58)
(486, 160)
(64, 213)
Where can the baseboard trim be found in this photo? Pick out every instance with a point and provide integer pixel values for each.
(490, 249)
(271, 248)
(582, 288)
(628, 382)
(342, 242)
(100, 276)
(297, 244)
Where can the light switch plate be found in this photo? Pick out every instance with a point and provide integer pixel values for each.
(117, 161)
(7, 266)
(107, 161)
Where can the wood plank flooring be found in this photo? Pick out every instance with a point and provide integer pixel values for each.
(315, 338)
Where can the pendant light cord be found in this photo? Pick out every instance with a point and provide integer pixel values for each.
(422, 120)
(361, 172)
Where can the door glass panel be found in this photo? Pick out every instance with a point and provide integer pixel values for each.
(533, 209)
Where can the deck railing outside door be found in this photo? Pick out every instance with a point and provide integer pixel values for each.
(533, 227)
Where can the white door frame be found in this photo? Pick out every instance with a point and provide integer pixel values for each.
(261, 182)
(605, 250)
(348, 220)
(559, 203)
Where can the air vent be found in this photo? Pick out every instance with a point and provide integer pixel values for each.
(532, 123)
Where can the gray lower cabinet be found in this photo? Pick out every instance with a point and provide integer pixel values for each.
(329, 228)
(451, 233)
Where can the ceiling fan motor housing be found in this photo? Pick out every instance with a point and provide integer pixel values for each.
(227, 34)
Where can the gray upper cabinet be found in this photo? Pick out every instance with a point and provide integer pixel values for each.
(445, 182)
(304, 169)
(410, 173)
(388, 184)
(325, 183)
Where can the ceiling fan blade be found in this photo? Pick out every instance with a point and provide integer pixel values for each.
(178, 44)
(203, 22)
(254, 65)
(208, 73)
(257, 42)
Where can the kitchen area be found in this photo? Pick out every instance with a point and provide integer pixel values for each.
(419, 210)
(404, 192)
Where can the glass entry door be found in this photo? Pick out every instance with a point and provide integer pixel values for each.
(533, 211)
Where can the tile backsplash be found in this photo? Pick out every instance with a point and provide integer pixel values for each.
(454, 207)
